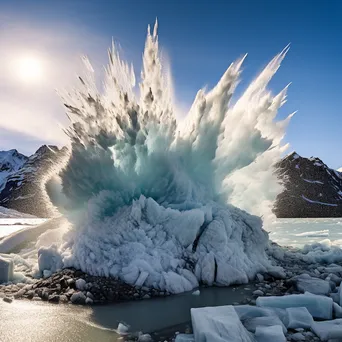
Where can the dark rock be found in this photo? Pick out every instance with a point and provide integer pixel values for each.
(7, 299)
(308, 182)
(53, 299)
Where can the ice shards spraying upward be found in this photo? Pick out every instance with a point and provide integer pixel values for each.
(156, 194)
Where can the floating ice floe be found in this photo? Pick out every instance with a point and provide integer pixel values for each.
(218, 324)
(318, 306)
(306, 283)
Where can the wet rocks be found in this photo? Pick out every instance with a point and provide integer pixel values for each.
(78, 298)
(7, 299)
(77, 287)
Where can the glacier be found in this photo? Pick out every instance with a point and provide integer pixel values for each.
(161, 202)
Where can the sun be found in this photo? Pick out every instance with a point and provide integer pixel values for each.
(29, 69)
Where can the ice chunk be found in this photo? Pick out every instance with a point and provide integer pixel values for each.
(218, 324)
(47, 273)
(270, 334)
(141, 279)
(6, 269)
(340, 294)
(252, 323)
(185, 338)
(144, 338)
(305, 283)
(246, 312)
(299, 318)
(196, 293)
(318, 306)
(122, 329)
(337, 310)
(49, 259)
(80, 284)
(328, 330)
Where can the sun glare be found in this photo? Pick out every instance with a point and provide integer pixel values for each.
(29, 69)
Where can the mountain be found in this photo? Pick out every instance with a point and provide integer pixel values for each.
(23, 187)
(10, 162)
(312, 189)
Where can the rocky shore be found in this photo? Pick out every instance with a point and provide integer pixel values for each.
(76, 287)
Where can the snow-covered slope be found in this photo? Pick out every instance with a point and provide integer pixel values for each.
(10, 162)
(23, 188)
(10, 213)
(312, 189)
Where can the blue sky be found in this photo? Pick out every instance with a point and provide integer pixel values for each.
(201, 39)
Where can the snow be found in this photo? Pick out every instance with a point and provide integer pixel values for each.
(312, 181)
(318, 306)
(10, 213)
(328, 330)
(299, 317)
(6, 269)
(317, 202)
(218, 324)
(306, 283)
(270, 334)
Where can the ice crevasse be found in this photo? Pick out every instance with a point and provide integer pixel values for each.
(157, 198)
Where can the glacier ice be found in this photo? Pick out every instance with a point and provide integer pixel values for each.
(299, 317)
(6, 269)
(328, 330)
(318, 306)
(153, 200)
(218, 324)
(306, 283)
(270, 334)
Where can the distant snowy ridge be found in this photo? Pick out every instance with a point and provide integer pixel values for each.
(10, 162)
(312, 189)
(23, 179)
(10, 213)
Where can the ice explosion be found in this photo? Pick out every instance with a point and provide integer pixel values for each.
(157, 195)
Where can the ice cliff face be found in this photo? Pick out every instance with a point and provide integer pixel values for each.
(312, 189)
